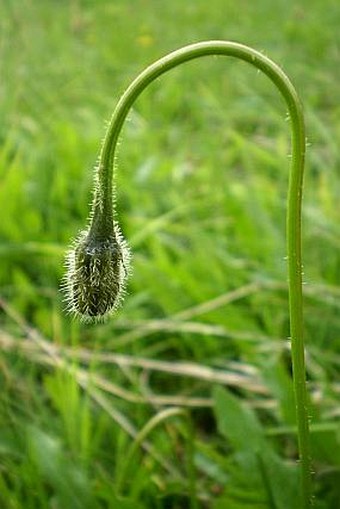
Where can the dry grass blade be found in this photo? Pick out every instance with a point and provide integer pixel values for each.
(240, 374)
(180, 322)
(54, 355)
(221, 300)
(54, 359)
(49, 356)
(142, 328)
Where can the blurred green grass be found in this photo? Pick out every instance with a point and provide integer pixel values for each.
(201, 186)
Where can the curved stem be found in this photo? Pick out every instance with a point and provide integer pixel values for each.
(281, 81)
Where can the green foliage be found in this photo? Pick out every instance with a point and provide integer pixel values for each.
(202, 176)
(259, 469)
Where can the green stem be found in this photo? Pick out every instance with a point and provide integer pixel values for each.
(281, 81)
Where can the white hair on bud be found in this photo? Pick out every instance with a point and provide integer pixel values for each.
(97, 270)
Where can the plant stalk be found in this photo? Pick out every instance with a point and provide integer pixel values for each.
(294, 200)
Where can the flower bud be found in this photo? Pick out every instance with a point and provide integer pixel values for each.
(97, 269)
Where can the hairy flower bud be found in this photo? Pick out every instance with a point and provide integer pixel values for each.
(97, 269)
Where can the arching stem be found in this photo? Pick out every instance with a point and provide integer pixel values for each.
(281, 81)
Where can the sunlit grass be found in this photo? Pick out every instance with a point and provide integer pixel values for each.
(202, 185)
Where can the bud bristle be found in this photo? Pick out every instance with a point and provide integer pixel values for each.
(96, 275)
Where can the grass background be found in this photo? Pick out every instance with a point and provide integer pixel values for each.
(201, 187)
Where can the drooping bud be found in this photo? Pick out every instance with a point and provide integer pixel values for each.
(97, 269)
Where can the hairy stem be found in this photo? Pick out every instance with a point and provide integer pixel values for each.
(281, 81)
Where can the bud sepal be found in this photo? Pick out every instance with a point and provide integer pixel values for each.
(97, 270)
